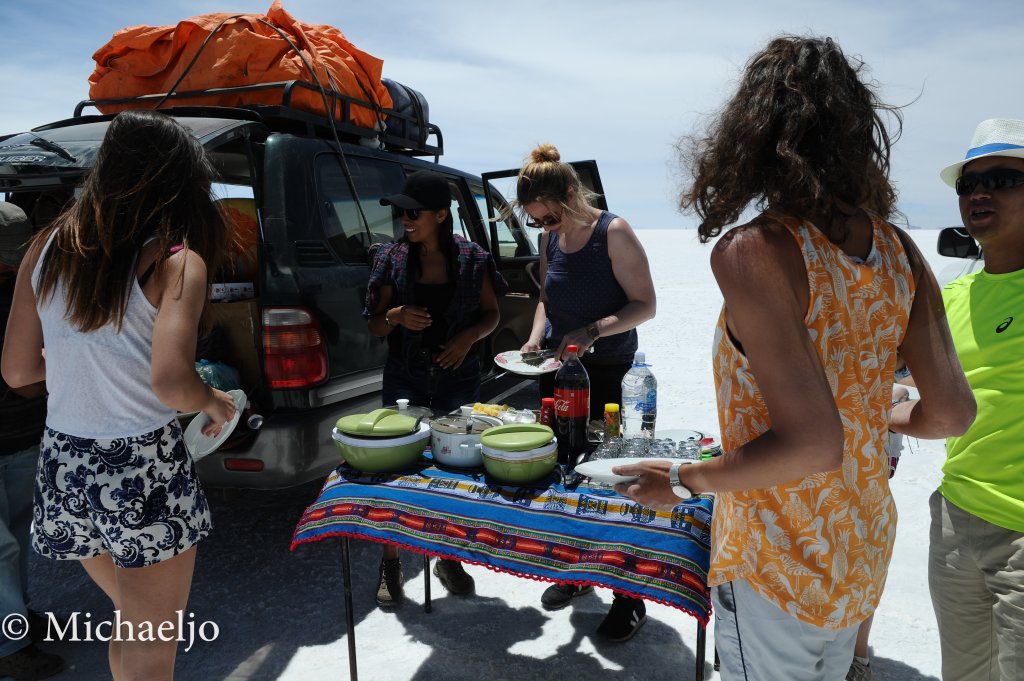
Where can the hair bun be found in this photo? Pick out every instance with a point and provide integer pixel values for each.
(545, 153)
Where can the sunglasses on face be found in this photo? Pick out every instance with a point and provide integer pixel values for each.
(548, 220)
(992, 180)
(411, 213)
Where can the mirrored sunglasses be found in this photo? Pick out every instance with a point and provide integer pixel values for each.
(992, 180)
(548, 220)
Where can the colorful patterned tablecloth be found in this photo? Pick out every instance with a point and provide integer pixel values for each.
(546, 531)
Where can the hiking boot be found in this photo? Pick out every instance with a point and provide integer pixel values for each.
(389, 585)
(623, 620)
(860, 671)
(30, 663)
(557, 596)
(453, 577)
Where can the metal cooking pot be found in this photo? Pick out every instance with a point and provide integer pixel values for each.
(455, 440)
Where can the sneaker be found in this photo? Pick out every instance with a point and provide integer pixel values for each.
(623, 620)
(557, 596)
(389, 586)
(30, 663)
(453, 577)
(860, 671)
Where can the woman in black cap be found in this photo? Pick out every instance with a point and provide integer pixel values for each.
(433, 295)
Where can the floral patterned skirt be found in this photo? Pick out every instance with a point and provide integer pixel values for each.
(136, 498)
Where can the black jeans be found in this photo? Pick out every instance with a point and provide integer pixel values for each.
(425, 384)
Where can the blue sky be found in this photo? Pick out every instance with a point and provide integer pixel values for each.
(615, 81)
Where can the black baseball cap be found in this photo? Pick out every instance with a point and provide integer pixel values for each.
(424, 189)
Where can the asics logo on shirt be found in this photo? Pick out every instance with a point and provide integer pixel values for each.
(1004, 325)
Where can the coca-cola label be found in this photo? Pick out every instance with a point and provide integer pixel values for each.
(572, 403)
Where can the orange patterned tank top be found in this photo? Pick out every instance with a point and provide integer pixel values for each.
(819, 547)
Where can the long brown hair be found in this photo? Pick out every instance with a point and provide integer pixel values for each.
(802, 132)
(151, 179)
(544, 177)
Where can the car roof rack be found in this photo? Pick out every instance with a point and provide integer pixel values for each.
(399, 136)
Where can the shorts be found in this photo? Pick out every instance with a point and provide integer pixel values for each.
(136, 498)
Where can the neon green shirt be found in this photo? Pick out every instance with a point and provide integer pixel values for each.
(984, 469)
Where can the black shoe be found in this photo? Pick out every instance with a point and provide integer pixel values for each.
(30, 664)
(453, 577)
(389, 584)
(557, 596)
(623, 620)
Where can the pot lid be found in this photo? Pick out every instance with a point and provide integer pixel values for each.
(517, 437)
(378, 423)
(457, 424)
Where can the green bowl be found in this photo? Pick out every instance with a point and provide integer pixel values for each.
(518, 472)
(382, 455)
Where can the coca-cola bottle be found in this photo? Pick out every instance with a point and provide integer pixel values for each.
(572, 407)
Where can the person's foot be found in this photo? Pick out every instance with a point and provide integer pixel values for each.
(557, 596)
(453, 577)
(30, 664)
(623, 620)
(860, 671)
(389, 584)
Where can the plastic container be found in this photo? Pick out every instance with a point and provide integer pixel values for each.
(572, 407)
(639, 400)
(612, 421)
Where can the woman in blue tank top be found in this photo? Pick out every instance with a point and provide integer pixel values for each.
(596, 290)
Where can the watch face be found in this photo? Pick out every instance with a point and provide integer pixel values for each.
(682, 491)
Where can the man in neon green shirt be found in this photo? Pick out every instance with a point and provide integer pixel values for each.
(976, 556)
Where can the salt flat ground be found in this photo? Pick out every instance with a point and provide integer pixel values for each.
(281, 614)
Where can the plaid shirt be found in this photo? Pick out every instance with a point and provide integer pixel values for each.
(391, 268)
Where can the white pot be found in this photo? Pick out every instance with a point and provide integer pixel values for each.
(451, 445)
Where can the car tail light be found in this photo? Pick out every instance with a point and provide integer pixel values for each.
(293, 347)
(244, 465)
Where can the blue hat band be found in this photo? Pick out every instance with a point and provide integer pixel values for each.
(990, 149)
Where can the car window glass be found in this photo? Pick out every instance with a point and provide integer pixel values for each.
(514, 241)
(347, 234)
(461, 213)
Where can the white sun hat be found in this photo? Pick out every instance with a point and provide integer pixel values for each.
(994, 137)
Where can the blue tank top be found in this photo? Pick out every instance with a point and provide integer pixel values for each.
(581, 288)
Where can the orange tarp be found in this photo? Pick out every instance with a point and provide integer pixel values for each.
(143, 60)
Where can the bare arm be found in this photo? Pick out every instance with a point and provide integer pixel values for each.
(23, 362)
(946, 406)
(182, 285)
(762, 277)
(632, 271)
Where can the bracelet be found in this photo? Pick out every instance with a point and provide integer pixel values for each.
(386, 320)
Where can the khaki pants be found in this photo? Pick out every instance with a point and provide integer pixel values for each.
(976, 579)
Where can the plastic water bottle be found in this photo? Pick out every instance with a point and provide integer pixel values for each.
(639, 400)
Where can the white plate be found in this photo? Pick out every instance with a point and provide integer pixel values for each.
(200, 445)
(513, 361)
(600, 470)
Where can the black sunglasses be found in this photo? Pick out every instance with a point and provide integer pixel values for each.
(546, 221)
(411, 213)
(992, 180)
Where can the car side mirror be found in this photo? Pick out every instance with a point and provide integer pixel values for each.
(955, 242)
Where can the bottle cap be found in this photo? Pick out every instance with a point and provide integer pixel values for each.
(612, 407)
(639, 357)
(547, 400)
(572, 349)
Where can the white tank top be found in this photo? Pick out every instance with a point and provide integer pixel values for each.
(99, 382)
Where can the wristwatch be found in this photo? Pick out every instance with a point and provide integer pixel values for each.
(678, 488)
(593, 331)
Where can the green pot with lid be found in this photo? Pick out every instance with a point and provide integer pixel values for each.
(517, 437)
